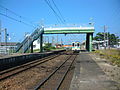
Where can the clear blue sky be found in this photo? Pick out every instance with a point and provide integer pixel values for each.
(103, 12)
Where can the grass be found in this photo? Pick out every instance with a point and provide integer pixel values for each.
(36, 50)
(111, 54)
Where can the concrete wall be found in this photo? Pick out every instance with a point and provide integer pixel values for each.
(9, 62)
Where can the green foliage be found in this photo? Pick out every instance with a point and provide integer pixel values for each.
(99, 36)
(113, 39)
(37, 50)
(48, 47)
(112, 54)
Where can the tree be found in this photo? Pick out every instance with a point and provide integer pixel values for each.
(113, 39)
(99, 37)
(48, 47)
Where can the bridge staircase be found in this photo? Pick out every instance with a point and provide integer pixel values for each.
(28, 41)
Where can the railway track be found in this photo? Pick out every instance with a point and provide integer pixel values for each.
(55, 79)
(27, 76)
(18, 69)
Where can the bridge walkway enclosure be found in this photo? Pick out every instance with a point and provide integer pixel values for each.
(38, 33)
(28, 41)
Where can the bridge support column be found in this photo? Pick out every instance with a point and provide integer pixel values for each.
(32, 47)
(89, 38)
(87, 42)
(41, 42)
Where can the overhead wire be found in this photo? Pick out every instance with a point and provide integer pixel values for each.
(15, 19)
(58, 10)
(14, 13)
(57, 17)
(19, 16)
(10, 11)
(49, 4)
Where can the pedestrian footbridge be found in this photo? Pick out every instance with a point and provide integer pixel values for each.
(38, 33)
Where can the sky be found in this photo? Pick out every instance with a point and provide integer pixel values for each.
(100, 12)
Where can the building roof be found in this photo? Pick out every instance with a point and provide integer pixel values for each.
(67, 46)
(9, 43)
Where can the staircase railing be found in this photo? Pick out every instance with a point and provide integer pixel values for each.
(26, 43)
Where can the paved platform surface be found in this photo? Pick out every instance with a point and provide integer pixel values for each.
(89, 76)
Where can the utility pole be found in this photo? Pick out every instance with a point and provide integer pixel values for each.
(44, 39)
(42, 22)
(0, 32)
(52, 40)
(61, 41)
(57, 38)
(105, 37)
(5, 39)
(107, 40)
(48, 39)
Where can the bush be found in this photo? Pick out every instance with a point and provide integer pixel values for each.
(112, 55)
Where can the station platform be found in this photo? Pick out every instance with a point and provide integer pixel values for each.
(89, 76)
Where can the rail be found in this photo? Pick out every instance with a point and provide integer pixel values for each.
(16, 70)
(40, 84)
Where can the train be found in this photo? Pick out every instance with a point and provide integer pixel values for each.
(76, 46)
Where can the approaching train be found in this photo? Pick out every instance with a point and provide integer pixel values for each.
(76, 46)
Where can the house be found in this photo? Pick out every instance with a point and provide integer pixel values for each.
(58, 45)
(36, 44)
(99, 44)
(8, 47)
(67, 46)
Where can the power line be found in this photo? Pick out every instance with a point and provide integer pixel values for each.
(58, 10)
(21, 17)
(48, 3)
(10, 11)
(16, 19)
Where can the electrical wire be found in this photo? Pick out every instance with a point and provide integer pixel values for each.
(48, 3)
(16, 20)
(10, 11)
(58, 10)
(21, 17)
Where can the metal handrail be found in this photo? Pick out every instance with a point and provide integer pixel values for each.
(28, 40)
